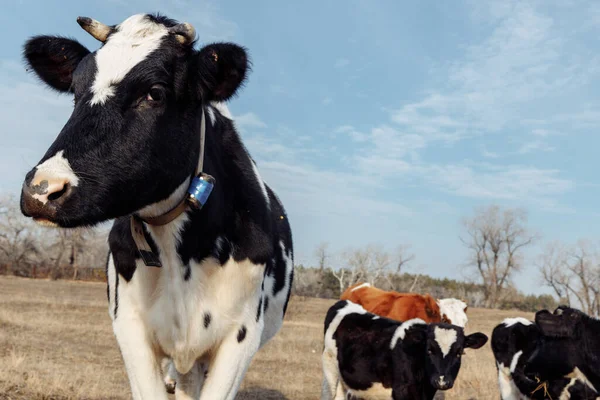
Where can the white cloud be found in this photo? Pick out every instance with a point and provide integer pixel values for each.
(319, 192)
(390, 152)
(351, 132)
(509, 182)
(536, 145)
(341, 62)
(527, 58)
(541, 132)
(501, 85)
(489, 154)
(248, 120)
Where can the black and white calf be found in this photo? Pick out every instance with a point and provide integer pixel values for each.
(365, 354)
(213, 284)
(569, 346)
(513, 342)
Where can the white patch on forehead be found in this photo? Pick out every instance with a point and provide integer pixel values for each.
(400, 332)
(508, 322)
(366, 284)
(445, 338)
(134, 39)
(56, 171)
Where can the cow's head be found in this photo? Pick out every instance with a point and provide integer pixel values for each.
(513, 342)
(133, 137)
(561, 343)
(454, 311)
(442, 346)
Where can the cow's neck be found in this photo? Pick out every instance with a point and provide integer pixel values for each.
(238, 199)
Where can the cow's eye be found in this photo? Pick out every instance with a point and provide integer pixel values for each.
(156, 94)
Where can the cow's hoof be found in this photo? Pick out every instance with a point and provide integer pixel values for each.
(170, 387)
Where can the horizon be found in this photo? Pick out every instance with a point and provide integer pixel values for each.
(398, 119)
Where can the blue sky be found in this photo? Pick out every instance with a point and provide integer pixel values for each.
(378, 121)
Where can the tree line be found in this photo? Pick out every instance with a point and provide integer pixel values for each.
(495, 240)
(29, 250)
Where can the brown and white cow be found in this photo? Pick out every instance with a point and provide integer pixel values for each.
(405, 306)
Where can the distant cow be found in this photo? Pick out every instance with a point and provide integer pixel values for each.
(569, 346)
(513, 342)
(411, 360)
(405, 306)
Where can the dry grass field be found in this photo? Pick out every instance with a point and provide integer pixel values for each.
(56, 342)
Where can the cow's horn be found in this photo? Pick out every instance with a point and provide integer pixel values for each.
(185, 32)
(97, 29)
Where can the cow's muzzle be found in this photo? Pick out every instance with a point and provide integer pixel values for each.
(42, 199)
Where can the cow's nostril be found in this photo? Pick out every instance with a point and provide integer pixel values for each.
(57, 195)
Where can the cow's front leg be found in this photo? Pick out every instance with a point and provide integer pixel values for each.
(232, 358)
(141, 361)
(332, 388)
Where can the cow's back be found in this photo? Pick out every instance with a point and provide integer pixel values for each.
(411, 305)
(393, 305)
(373, 300)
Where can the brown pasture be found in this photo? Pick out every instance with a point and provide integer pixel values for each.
(56, 342)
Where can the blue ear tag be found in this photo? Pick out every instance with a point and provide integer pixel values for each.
(199, 190)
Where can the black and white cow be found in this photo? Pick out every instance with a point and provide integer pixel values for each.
(569, 346)
(513, 343)
(142, 103)
(365, 354)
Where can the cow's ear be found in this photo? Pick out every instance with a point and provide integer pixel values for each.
(53, 59)
(475, 340)
(223, 69)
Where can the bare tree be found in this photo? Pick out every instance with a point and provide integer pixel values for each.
(322, 254)
(553, 266)
(18, 237)
(495, 239)
(371, 264)
(355, 262)
(72, 244)
(403, 258)
(574, 274)
(26, 248)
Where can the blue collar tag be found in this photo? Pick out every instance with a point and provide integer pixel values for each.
(199, 190)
